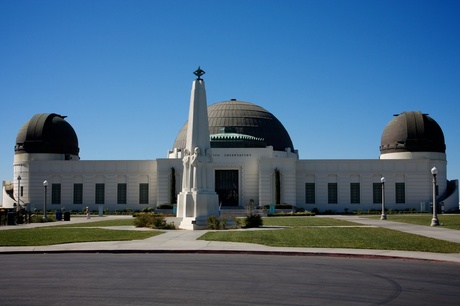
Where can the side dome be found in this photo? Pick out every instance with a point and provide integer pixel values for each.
(241, 124)
(412, 132)
(47, 133)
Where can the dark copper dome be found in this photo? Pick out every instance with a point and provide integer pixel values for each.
(412, 132)
(242, 118)
(47, 133)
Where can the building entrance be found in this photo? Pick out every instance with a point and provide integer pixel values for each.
(227, 187)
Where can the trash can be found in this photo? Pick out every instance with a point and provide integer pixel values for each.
(20, 218)
(272, 208)
(58, 215)
(2, 217)
(11, 218)
(67, 216)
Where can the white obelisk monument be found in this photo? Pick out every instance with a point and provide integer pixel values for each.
(197, 200)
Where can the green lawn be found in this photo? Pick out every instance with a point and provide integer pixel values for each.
(305, 221)
(118, 222)
(336, 237)
(312, 232)
(447, 221)
(57, 235)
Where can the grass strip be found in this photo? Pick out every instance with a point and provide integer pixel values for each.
(118, 222)
(52, 235)
(447, 221)
(306, 221)
(354, 238)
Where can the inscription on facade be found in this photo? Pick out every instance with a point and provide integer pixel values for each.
(232, 155)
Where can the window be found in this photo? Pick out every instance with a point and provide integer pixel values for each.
(400, 193)
(56, 194)
(78, 193)
(310, 193)
(377, 193)
(100, 193)
(354, 193)
(332, 193)
(143, 193)
(121, 193)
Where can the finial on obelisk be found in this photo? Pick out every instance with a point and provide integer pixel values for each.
(199, 73)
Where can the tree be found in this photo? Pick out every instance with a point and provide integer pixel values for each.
(277, 186)
(172, 187)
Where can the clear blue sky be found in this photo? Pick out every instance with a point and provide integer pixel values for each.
(333, 72)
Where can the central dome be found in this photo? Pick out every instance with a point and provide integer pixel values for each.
(246, 119)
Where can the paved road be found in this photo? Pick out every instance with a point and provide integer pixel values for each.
(212, 279)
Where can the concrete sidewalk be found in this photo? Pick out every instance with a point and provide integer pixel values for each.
(182, 241)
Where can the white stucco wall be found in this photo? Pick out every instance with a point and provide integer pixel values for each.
(67, 173)
(256, 168)
(415, 174)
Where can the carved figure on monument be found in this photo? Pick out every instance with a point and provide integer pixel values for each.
(196, 163)
(186, 179)
(200, 164)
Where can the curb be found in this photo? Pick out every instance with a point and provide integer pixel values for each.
(223, 252)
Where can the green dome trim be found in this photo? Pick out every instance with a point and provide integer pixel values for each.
(235, 140)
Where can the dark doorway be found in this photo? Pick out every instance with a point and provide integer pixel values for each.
(227, 187)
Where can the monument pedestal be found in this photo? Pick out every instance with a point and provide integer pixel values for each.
(195, 207)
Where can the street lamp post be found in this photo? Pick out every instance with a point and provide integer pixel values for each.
(45, 186)
(434, 221)
(383, 216)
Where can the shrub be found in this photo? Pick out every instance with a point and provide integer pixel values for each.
(148, 209)
(283, 206)
(49, 218)
(39, 218)
(253, 221)
(223, 223)
(151, 220)
(236, 222)
(218, 223)
(165, 206)
(142, 220)
(291, 213)
(159, 222)
(213, 222)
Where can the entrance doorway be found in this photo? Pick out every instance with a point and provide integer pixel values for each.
(227, 187)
